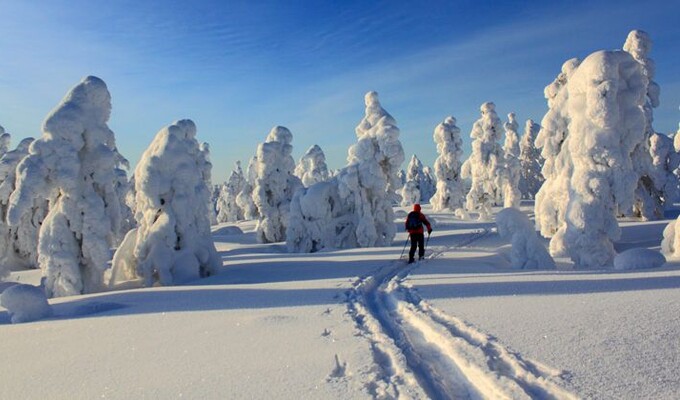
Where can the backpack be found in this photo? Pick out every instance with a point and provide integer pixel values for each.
(413, 221)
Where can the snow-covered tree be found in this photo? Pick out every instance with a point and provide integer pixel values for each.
(18, 244)
(5, 139)
(227, 208)
(275, 184)
(485, 165)
(450, 192)
(513, 169)
(665, 161)
(410, 193)
(206, 172)
(595, 122)
(527, 250)
(172, 243)
(428, 185)
(312, 167)
(530, 161)
(73, 165)
(244, 200)
(354, 208)
(649, 193)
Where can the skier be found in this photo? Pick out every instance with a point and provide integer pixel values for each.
(414, 225)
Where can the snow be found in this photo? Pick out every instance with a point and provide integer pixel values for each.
(512, 170)
(527, 250)
(638, 258)
(312, 167)
(25, 303)
(228, 209)
(450, 192)
(531, 162)
(351, 324)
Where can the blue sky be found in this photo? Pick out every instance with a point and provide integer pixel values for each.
(237, 68)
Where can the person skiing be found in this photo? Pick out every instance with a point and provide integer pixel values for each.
(414, 225)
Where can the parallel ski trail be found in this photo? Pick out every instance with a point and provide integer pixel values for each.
(419, 351)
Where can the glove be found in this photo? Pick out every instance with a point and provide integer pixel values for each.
(429, 231)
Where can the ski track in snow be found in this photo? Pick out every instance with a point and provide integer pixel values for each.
(421, 352)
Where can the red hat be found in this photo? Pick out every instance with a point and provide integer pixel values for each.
(416, 207)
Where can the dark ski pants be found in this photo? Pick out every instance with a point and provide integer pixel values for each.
(417, 240)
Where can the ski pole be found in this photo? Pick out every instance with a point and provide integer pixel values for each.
(404, 249)
(427, 241)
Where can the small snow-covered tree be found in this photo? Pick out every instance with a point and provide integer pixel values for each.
(485, 165)
(312, 167)
(592, 176)
(527, 250)
(450, 191)
(354, 208)
(664, 162)
(206, 172)
(275, 184)
(74, 166)
(244, 200)
(513, 170)
(410, 193)
(530, 161)
(227, 208)
(172, 243)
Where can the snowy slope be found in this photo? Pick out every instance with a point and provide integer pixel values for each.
(361, 324)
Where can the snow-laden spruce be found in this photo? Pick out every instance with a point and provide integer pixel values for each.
(665, 161)
(485, 165)
(19, 243)
(312, 167)
(530, 161)
(450, 193)
(227, 207)
(527, 250)
(73, 165)
(592, 176)
(275, 184)
(244, 200)
(172, 243)
(512, 170)
(649, 198)
(354, 208)
(206, 172)
(428, 186)
(415, 177)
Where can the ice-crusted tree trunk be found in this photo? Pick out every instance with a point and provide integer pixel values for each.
(18, 244)
(649, 193)
(513, 170)
(485, 165)
(172, 242)
(594, 175)
(411, 192)
(73, 165)
(227, 208)
(275, 184)
(244, 199)
(354, 208)
(531, 162)
(450, 192)
(312, 167)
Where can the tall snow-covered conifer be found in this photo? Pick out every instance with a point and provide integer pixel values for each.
(172, 243)
(275, 184)
(354, 208)
(74, 166)
(485, 165)
(511, 193)
(312, 167)
(450, 192)
(594, 123)
(530, 161)
(244, 200)
(411, 192)
(227, 207)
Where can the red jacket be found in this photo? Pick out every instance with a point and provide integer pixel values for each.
(422, 219)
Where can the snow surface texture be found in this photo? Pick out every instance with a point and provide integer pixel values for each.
(531, 162)
(512, 170)
(244, 200)
(649, 193)
(638, 258)
(172, 243)
(354, 208)
(25, 303)
(450, 191)
(74, 165)
(228, 209)
(312, 167)
(594, 123)
(485, 164)
(275, 184)
(18, 244)
(527, 250)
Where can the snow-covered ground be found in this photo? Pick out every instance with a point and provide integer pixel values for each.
(360, 323)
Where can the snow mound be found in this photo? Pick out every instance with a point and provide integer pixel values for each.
(638, 259)
(25, 303)
(527, 250)
(228, 230)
